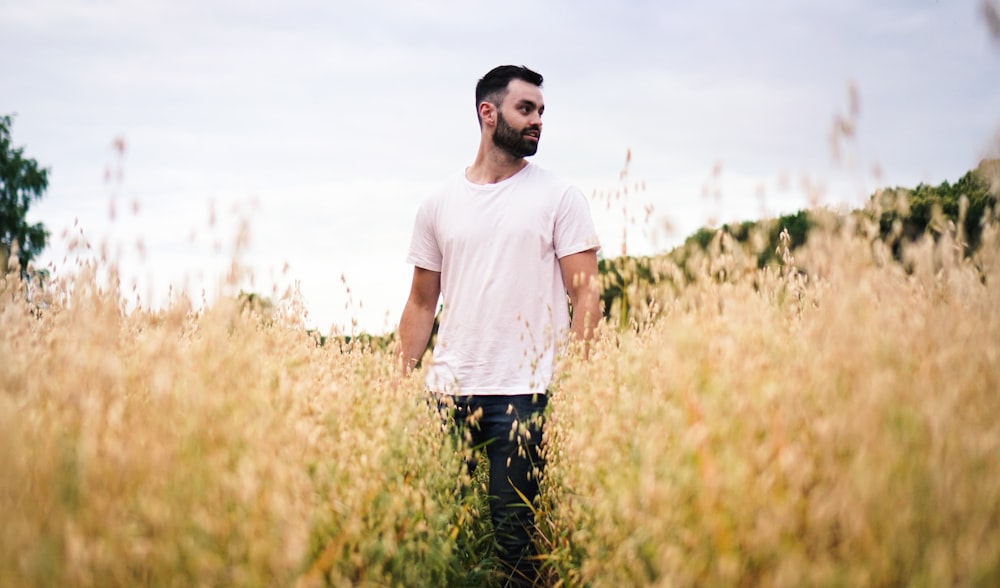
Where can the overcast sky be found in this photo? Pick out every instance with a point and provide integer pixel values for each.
(323, 124)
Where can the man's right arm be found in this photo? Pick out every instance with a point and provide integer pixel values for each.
(418, 317)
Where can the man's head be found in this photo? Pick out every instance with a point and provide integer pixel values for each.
(492, 87)
(509, 102)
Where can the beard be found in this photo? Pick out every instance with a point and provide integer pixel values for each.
(512, 140)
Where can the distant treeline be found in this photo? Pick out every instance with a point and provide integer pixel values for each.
(903, 215)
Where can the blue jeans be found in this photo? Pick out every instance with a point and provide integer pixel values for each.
(515, 468)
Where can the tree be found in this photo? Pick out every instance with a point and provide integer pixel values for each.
(798, 224)
(976, 191)
(22, 182)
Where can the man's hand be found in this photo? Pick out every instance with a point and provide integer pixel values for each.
(579, 273)
(418, 317)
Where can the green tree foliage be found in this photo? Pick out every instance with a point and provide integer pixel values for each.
(767, 231)
(254, 303)
(623, 282)
(904, 215)
(22, 182)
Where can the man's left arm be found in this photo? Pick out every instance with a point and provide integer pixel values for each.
(579, 274)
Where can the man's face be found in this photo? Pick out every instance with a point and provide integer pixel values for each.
(519, 119)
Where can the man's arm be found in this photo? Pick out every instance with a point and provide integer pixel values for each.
(418, 317)
(579, 273)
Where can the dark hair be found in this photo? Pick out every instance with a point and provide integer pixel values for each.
(493, 86)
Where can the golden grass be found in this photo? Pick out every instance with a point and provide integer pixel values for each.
(835, 421)
(783, 430)
(209, 448)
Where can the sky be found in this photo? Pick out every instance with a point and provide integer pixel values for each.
(297, 139)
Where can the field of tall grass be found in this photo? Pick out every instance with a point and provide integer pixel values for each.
(831, 421)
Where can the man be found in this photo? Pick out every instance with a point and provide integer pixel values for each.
(502, 243)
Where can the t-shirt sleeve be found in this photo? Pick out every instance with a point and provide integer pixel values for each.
(574, 230)
(424, 251)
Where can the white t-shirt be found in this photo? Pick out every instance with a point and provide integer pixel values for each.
(497, 247)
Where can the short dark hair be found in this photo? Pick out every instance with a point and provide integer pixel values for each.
(493, 86)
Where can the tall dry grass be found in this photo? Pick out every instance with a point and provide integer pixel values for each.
(833, 421)
(218, 447)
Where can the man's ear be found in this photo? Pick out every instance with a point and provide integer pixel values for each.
(487, 113)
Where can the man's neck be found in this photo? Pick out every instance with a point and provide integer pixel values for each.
(493, 165)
